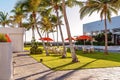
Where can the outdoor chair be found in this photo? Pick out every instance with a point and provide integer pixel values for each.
(59, 51)
(54, 50)
(84, 50)
(92, 50)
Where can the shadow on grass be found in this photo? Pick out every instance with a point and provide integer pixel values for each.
(81, 67)
(55, 68)
(100, 55)
(70, 63)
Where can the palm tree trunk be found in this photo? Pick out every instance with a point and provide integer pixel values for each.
(106, 37)
(74, 57)
(4, 25)
(53, 36)
(47, 54)
(57, 37)
(63, 43)
(47, 37)
(33, 33)
(25, 37)
(34, 16)
(20, 24)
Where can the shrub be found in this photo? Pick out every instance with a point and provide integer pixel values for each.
(34, 48)
(79, 42)
(39, 51)
(36, 51)
(110, 44)
(88, 43)
(68, 50)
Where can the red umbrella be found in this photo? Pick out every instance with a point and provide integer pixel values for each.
(71, 38)
(84, 37)
(46, 39)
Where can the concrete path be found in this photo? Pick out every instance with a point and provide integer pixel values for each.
(26, 68)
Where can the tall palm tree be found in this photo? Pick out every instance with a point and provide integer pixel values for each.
(32, 6)
(46, 25)
(105, 8)
(18, 14)
(55, 5)
(74, 57)
(27, 27)
(30, 25)
(54, 19)
(4, 19)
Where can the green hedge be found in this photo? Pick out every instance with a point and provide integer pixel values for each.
(36, 51)
(34, 48)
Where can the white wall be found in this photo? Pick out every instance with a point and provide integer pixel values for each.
(6, 69)
(16, 35)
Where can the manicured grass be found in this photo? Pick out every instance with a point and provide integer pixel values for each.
(89, 60)
(28, 47)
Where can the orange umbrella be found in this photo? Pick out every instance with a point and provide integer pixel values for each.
(71, 38)
(84, 37)
(46, 39)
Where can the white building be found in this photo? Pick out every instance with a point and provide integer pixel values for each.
(96, 27)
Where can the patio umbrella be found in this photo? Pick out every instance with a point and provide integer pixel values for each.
(84, 37)
(46, 39)
(71, 38)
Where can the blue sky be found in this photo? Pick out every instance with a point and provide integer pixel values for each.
(76, 25)
(7, 5)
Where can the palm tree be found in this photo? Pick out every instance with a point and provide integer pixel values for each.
(74, 57)
(105, 8)
(55, 5)
(54, 19)
(46, 25)
(32, 6)
(18, 14)
(4, 19)
(27, 27)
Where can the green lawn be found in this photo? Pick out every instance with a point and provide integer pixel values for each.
(94, 60)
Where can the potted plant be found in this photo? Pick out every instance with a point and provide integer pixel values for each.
(5, 57)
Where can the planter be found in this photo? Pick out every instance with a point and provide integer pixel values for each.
(16, 36)
(6, 61)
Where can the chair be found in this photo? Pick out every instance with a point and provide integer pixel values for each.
(84, 50)
(92, 50)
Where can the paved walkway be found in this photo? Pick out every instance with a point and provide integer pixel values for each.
(26, 68)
